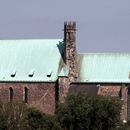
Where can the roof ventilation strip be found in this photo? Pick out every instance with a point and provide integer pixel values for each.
(49, 73)
(31, 73)
(13, 73)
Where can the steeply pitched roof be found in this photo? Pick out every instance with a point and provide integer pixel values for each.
(31, 60)
(41, 61)
(104, 67)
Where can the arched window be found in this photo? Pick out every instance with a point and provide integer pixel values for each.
(10, 94)
(25, 95)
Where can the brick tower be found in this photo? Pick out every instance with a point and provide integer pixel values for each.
(69, 59)
(70, 48)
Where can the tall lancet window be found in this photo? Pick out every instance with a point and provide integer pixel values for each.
(10, 94)
(25, 95)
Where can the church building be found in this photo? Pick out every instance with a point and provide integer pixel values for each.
(41, 72)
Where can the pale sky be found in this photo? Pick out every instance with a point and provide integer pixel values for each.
(102, 25)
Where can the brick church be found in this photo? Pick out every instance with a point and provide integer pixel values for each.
(41, 72)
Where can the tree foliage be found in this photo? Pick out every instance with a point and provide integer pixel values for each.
(79, 112)
(40, 121)
(13, 116)
(3, 121)
(82, 112)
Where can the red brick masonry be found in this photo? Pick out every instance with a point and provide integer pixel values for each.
(40, 95)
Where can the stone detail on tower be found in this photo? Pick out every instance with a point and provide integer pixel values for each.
(124, 91)
(70, 59)
(70, 49)
(64, 84)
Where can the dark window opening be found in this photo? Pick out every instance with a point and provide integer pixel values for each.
(120, 93)
(10, 94)
(25, 95)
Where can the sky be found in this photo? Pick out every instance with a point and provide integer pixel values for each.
(102, 25)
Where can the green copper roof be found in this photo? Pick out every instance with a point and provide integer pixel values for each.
(104, 67)
(41, 61)
(31, 60)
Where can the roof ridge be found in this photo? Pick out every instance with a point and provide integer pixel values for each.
(30, 39)
(105, 53)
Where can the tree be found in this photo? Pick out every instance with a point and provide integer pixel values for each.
(3, 119)
(16, 115)
(41, 121)
(79, 112)
(82, 112)
(13, 116)
(35, 119)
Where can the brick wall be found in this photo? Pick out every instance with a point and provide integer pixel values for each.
(40, 95)
(109, 90)
(90, 89)
(118, 91)
(43, 95)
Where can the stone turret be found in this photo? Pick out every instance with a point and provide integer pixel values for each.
(70, 48)
(69, 59)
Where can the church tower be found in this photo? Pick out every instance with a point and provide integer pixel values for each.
(70, 48)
